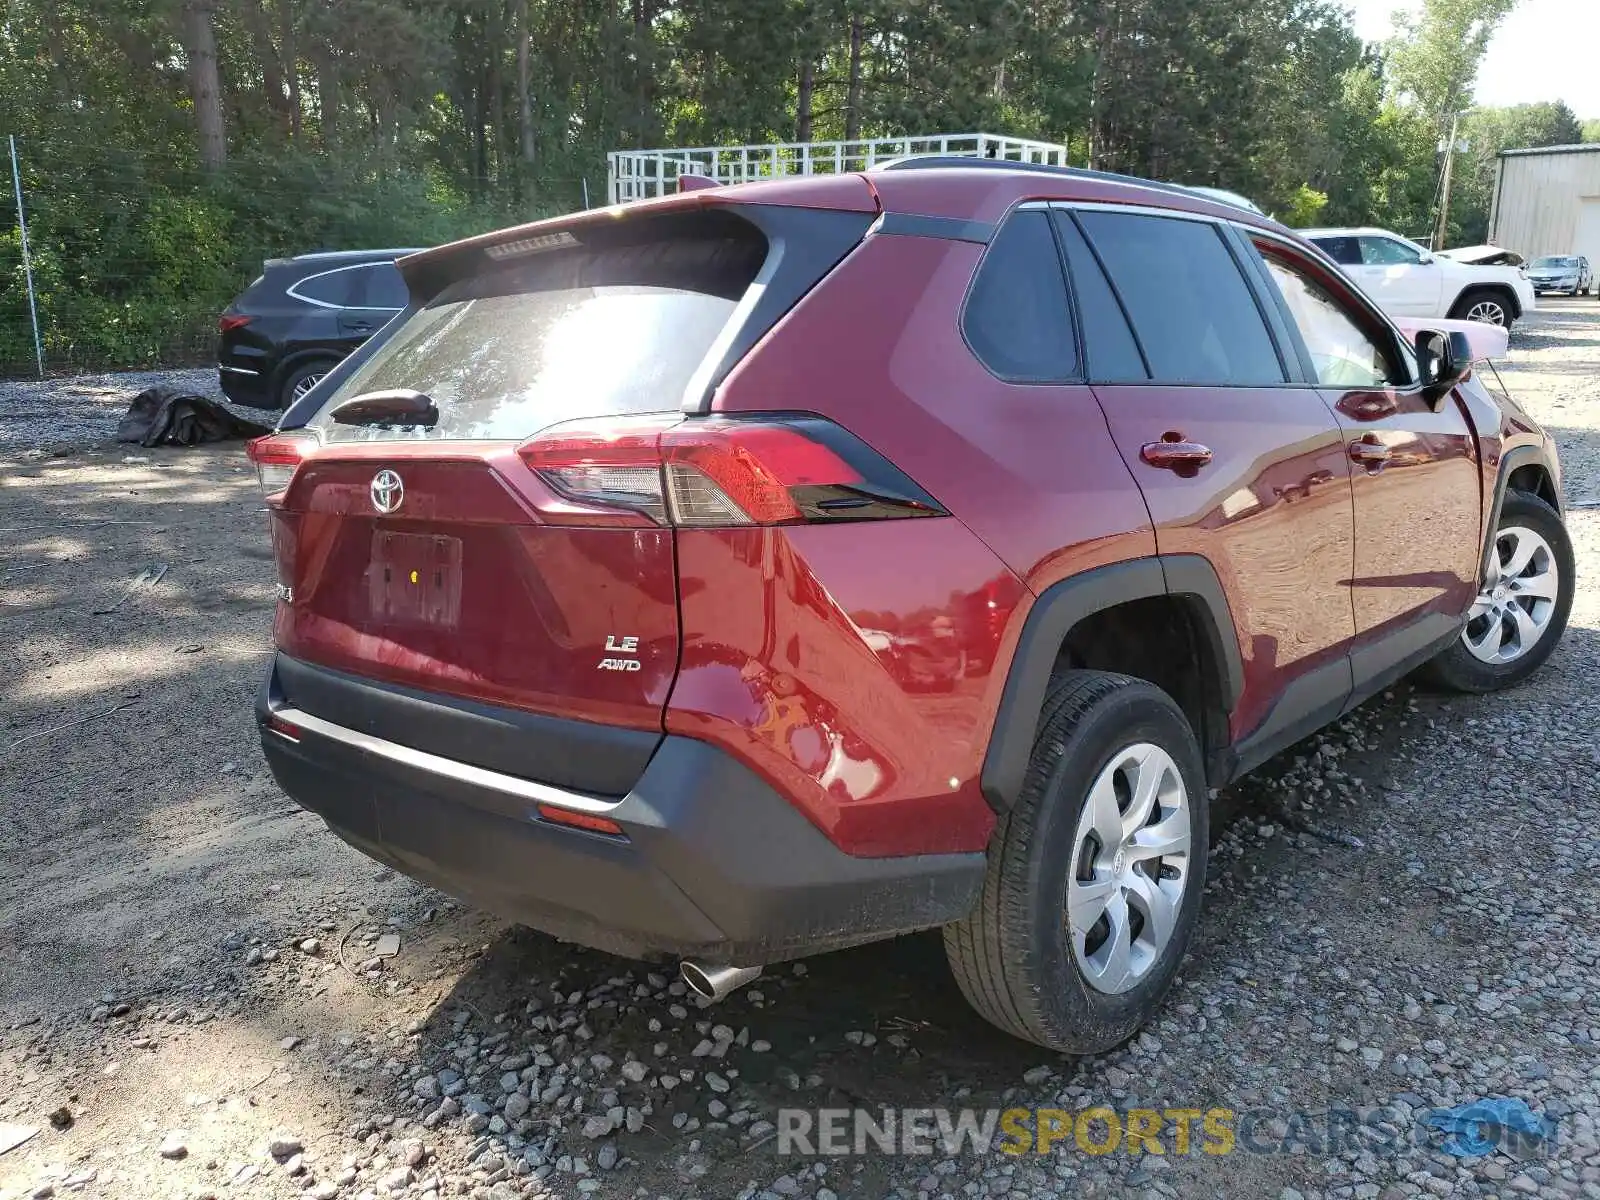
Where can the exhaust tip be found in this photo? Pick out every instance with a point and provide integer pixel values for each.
(715, 982)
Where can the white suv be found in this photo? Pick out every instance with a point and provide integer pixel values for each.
(1408, 280)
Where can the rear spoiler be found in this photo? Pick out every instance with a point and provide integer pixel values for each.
(428, 272)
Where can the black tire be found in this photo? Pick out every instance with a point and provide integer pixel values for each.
(1457, 669)
(1483, 296)
(1013, 957)
(300, 376)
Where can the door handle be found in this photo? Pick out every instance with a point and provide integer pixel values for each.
(1370, 452)
(1172, 453)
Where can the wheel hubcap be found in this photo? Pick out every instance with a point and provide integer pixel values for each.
(1488, 312)
(1131, 864)
(305, 385)
(1517, 600)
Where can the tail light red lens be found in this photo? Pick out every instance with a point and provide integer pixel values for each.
(232, 321)
(719, 472)
(276, 458)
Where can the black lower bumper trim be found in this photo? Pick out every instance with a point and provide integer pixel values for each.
(714, 863)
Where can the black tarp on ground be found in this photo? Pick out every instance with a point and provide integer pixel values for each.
(162, 416)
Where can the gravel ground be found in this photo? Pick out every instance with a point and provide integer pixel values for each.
(86, 408)
(202, 992)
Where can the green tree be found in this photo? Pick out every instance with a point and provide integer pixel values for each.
(1435, 54)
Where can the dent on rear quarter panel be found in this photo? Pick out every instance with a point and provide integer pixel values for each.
(804, 638)
(857, 666)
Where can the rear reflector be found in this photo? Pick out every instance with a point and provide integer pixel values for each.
(276, 457)
(720, 472)
(282, 728)
(231, 322)
(579, 820)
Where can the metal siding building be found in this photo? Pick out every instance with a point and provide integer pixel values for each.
(1547, 201)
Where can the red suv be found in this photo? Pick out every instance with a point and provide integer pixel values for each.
(771, 569)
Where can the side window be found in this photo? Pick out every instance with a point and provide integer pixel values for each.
(1017, 318)
(337, 287)
(385, 287)
(1191, 308)
(1342, 352)
(1346, 251)
(1113, 356)
(1386, 252)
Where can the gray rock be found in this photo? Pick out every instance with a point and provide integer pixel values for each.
(284, 1145)
(173, 1147)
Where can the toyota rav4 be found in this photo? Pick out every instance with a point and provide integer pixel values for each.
(775, 568)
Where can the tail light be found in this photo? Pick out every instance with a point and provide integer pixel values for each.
(720, 472)
(276, 457)
(231, 321)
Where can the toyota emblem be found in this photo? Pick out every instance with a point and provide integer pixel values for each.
(387, 491)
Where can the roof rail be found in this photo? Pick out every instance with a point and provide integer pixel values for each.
(915, 162)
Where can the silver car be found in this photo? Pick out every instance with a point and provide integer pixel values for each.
(1567, 273)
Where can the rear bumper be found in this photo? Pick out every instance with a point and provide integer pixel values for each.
(713, 862)
(246, 385)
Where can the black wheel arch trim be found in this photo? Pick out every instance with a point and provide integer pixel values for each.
(1062, 606)
(1512, 461)
(1504, 290)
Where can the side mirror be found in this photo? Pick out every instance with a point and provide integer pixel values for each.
(1427, 257)
(1444, 360)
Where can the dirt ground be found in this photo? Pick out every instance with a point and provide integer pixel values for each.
(1401, 914)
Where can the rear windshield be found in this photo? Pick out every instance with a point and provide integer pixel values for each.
(589, 331)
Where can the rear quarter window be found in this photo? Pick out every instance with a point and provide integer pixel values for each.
(1017, 319)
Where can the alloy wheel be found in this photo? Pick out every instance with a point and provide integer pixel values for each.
(1131, 863)
(302, 386)
(1517, 600)
(1489, 312)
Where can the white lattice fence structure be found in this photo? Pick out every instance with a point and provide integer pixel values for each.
(640, 174)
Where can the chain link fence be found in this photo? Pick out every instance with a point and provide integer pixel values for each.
(132, 256)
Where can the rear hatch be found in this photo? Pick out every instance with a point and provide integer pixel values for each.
(424, 540)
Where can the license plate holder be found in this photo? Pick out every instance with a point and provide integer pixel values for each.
(415, 579)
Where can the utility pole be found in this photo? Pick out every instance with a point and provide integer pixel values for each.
(1442, 229)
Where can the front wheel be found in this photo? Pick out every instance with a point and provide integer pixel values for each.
(1484, 305)
(1095, 874)
(1522, 604)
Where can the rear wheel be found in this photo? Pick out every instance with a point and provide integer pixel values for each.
(301, 380)
(1095, 875)
(1483, 304)
(1522, 605)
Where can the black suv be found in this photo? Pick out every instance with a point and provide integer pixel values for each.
(299, 318)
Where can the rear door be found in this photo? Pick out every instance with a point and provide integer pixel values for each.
(429, 554)
(361, 298)
(1236, 463)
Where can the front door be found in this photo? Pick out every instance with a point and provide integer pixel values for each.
(1397, 277)
(1414, 471)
